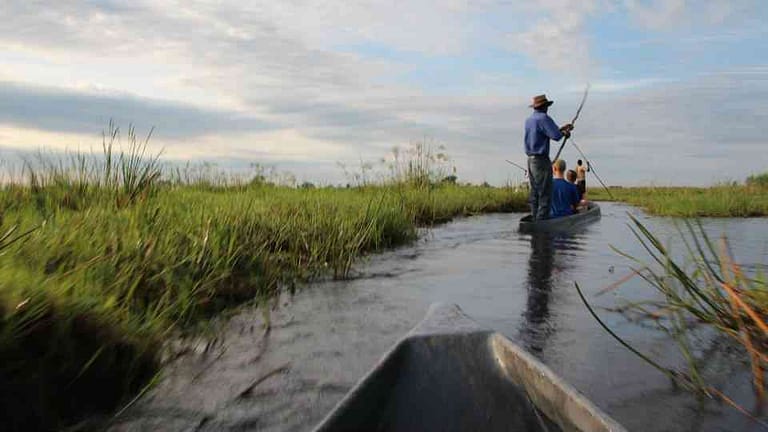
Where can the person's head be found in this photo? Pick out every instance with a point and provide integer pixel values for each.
(541, 103)
(578, 162)
(571, 176)
(558, 168)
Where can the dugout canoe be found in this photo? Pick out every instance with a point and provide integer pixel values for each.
(565, 223)
(451, 374)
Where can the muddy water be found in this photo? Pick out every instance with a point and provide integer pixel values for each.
(329, 334)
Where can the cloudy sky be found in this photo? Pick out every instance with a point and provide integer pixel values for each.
(679, 87)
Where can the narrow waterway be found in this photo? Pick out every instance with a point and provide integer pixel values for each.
(329, 334)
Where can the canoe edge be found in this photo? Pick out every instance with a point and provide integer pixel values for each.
(557, 399)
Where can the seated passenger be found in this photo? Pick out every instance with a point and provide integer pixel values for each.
(571, 177)
(565, 196)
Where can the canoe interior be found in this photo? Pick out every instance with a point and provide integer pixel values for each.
(450, 374)
(565, 223)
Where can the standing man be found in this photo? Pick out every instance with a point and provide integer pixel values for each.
(581, 176)
(539, 129)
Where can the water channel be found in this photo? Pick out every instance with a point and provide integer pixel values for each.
(329, 334)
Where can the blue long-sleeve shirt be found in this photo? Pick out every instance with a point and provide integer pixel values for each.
(539, 129)
(565, 196)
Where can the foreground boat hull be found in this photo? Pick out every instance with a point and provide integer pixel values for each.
(565, 223)
(451, 374)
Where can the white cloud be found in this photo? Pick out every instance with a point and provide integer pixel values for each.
(656, 14)
(269, 146)
(676, 14)
(620, 85)
(557, 39)
(300, 70)
(415, 25)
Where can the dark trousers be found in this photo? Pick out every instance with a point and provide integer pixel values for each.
(540, 176)
(581, 185)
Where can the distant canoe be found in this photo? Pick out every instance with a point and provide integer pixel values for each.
(565, 223)
(450, 374)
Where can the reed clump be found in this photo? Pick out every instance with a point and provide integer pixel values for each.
(726, 200)
(108, 256)
(758, 181)
(709, 291)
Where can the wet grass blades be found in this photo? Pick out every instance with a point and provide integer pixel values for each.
(712, 292)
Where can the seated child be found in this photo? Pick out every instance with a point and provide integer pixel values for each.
(571, 177)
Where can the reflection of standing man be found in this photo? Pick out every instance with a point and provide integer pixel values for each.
(539, 129)
(536, 327)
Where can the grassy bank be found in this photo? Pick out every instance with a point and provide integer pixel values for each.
(718, 201)
(119, 257)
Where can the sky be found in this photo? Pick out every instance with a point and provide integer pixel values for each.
(679, 88)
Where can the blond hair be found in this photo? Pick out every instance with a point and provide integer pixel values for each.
(559, 164)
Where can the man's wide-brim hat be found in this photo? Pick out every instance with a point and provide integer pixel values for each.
(541, 100)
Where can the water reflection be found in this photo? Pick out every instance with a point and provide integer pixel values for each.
(334, 332)
(537, 325)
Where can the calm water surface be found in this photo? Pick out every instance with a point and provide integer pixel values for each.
(329, 334)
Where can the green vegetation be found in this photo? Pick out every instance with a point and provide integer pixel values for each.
(758, 180)
(730, 200)
(710, 290)
(117, 256)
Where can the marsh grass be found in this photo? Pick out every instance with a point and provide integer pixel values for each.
(421, 164)
(726, 200)
(118, 256)
(758, 181)
(709, 291)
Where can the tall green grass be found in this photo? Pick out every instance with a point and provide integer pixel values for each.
(729, 200)
(120, 254)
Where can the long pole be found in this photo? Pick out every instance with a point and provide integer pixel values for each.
(575, 117)
(557, 155)
(519, 166)
(592, 169)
